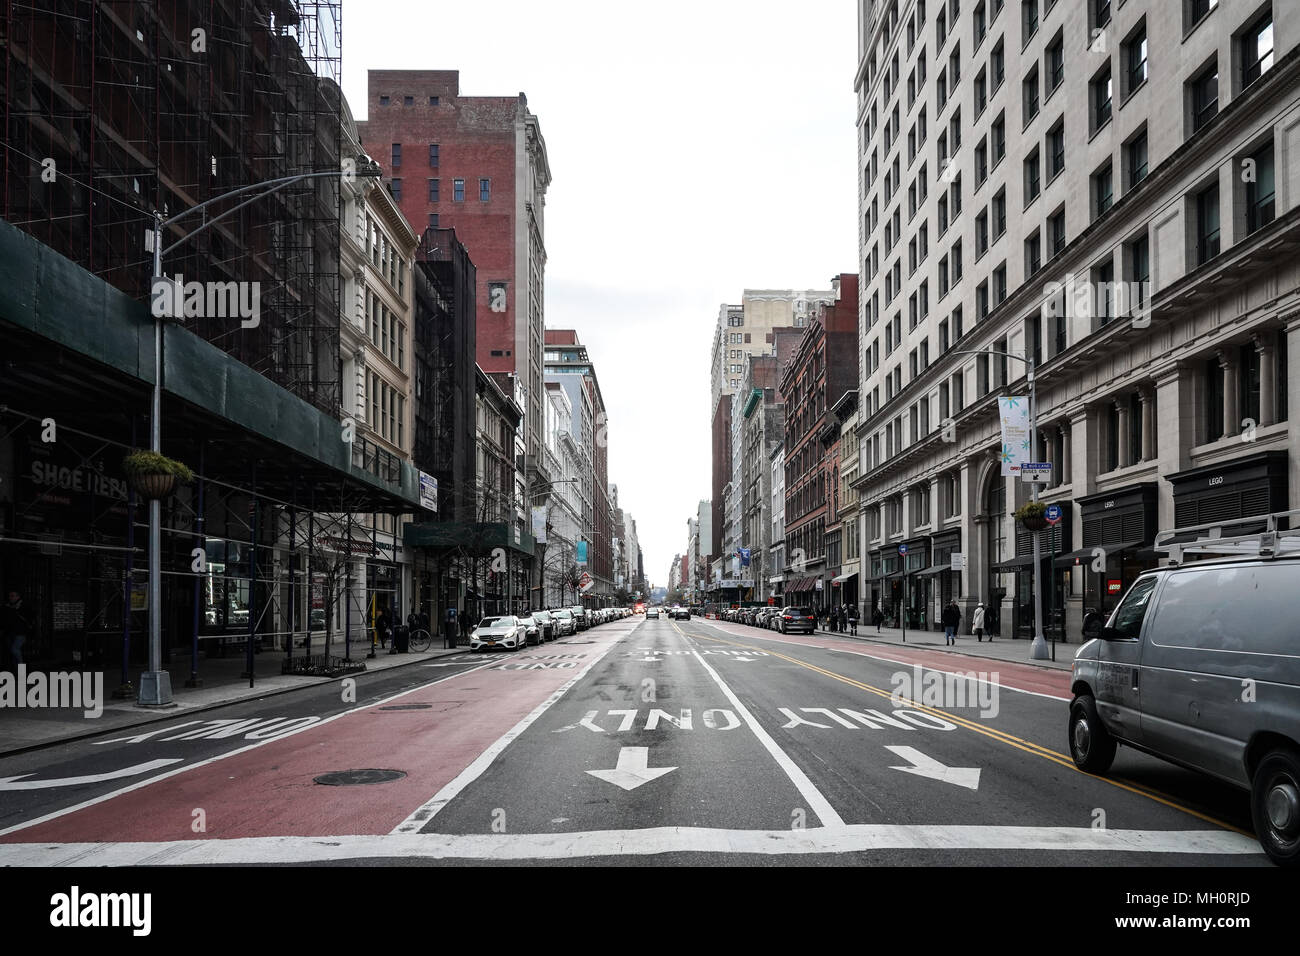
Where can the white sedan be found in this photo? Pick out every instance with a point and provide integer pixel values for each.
(651, 612)
(507, 631)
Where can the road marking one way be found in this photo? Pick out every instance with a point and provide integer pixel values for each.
(924, 766)
(18, 783)
(632, 769)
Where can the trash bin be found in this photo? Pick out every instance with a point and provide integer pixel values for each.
(402, 638)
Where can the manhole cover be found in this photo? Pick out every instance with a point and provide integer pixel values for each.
(407, 707)
(357, 778)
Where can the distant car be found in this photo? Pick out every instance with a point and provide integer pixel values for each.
(580, 618)
(680, 614)
(506, 631)
(794, 619)
(564, 622)
(652, 612)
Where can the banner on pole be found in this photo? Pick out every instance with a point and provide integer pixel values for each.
(1014, 415)
(539, 524)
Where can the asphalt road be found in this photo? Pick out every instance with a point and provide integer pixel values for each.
(641, 741)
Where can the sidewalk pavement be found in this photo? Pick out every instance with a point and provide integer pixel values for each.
(1001, 649)
(224, 681)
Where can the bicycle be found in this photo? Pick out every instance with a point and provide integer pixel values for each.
(420, 639)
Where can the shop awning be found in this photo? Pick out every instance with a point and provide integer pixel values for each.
(1085, 555)
(1016, 563)
(844, 577)
(936, 569)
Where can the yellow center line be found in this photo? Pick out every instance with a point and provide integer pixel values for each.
(1000, 736)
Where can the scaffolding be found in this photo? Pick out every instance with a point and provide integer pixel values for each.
(115, 108)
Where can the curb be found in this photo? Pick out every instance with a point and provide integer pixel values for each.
(947, 649)
(173, 713)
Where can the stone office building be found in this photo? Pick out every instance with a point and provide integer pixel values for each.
(1112, 197)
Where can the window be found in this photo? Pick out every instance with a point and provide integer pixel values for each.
(458, 190)
(484, 190)
(408, 100)
(982, 301)
(981, 162)
(1103, 282)
(433, 190)
(433, 152)
(981, 92)
(954, 67)
(1000, 286)
(1102, 191)
(1214, 394)
(943, 338)
(1000, 213)
(1056, 62)
(1257, 50)
(1128, 619)
(1135, 58)
(981, 233)
(1030, 88)
(956, 324)
(1028, 20)
(1259, 192)
(1101, 13)
(943, 214)
(999, 134)
(1135, 158)
(997, 66)
(955, 256)
(1032, 179)
(954, 130)
(1205, 96)
(1196, 9)
(395, 189)
(383, 101)
(943, 277)
(954, 196)
(1033, 254)
(1101, 99)
(1056, 232)
(397, 155)
(1056, 149)
(1207, 224)
(433, 101)
(433, 220)
(981, 25)
(1138, 253)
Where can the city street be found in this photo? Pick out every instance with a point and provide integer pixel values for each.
(638, 741)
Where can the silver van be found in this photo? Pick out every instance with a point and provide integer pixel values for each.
(1200, 665)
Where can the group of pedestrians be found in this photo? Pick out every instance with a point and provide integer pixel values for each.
(842, 619)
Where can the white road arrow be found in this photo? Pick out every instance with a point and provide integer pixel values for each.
(744, 658)
(631, 771)
(18, 783)
(923, 766)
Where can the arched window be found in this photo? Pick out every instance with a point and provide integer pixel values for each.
(995, 507)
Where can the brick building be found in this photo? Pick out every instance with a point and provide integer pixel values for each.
(477, 164)
(820, 371)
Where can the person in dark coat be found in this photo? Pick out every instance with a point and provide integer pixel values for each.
(877, 616)
(951, 621)
(15, 626)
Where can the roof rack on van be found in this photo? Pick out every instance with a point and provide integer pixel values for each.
(1258, 536)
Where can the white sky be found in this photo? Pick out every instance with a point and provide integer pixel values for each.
(697, 149)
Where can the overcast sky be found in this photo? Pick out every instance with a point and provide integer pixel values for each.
(697, 148)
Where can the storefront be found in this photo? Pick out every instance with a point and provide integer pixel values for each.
(945, 585)
(1119, 528)
(918, 588)
(1249, 487)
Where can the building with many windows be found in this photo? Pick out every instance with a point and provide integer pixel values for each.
(1105, 190)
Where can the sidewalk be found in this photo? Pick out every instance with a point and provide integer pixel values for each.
(1001, 649)
(224, 679)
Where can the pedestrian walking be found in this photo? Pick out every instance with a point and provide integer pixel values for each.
(853, 619)
(977, 622)
(877, 616)
(15, 626)
(951, 621)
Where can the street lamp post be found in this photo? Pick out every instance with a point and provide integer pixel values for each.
(156, 683)
(1038, 650)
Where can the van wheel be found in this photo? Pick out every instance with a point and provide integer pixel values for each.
(1275, 806)
(1091, 745)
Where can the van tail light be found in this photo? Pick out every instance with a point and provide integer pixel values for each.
(788, 617)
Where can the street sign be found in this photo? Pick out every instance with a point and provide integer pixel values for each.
(958, 561)
(1053, 514)
(1036, 470)
(902, 549)
(584, 581)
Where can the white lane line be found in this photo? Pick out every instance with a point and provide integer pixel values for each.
(611, 843)
(816, 802)
(429, 809)
(234, 753)
(891, 660)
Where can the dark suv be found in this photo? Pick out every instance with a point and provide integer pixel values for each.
(794, 619)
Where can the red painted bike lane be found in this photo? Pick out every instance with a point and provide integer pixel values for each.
(1052, 682)
(268, 790)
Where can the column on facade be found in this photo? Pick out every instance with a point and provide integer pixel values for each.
(1291, 326)
(1231, 419)
(1267, 378)
(1124, 424)
(1063, 428)
(1148, 399)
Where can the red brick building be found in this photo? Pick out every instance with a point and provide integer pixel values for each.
(476, 164)
(821, 369)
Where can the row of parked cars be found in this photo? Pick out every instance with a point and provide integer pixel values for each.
(513, 631)
(787, 620)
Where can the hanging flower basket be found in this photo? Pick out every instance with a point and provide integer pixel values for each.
(153, 475)
(1032, 515)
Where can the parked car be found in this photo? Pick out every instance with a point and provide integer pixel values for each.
(546, 623)
(582, 620)
(564, 622)
(532, 629)
(506, 631)
(796, 619)
(1199, 665)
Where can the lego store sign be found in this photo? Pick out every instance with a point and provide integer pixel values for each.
(1113, 586)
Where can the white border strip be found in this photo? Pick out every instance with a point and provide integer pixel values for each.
(211, 760)
(610, 843)
(429, 809)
